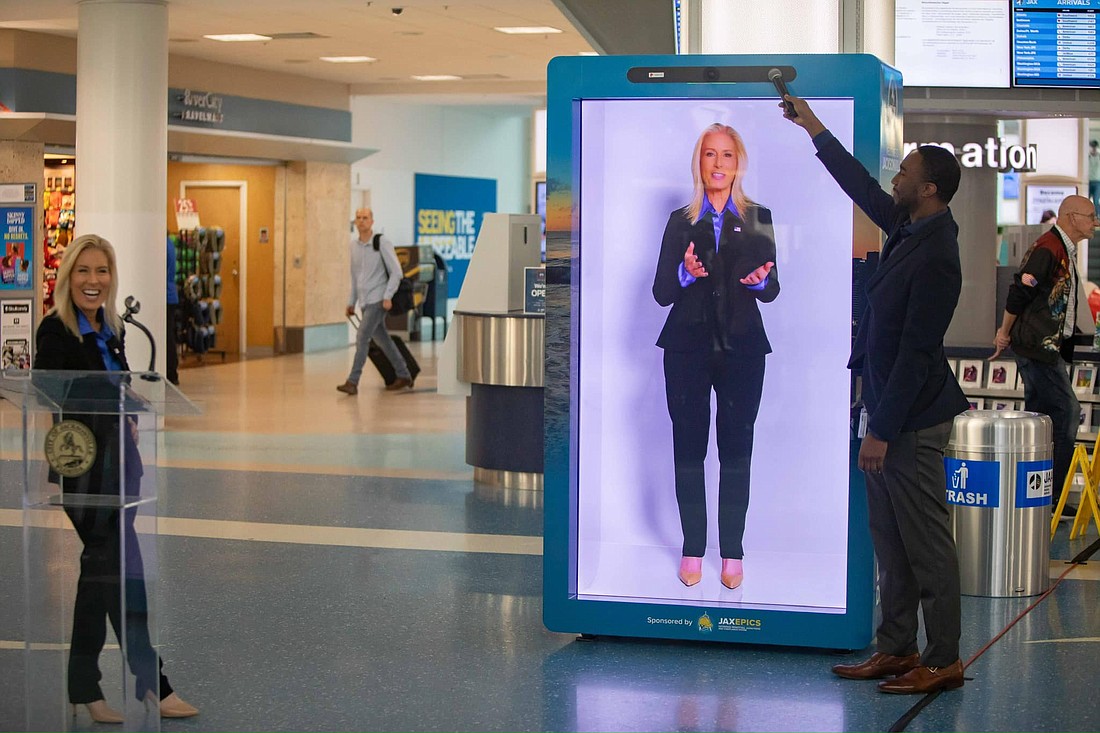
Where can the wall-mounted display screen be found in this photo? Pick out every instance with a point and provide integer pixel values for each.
(961, 43)
(1042, 198)
(1054, 43)
(636, 177)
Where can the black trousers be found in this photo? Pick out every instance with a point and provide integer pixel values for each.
(99, 599)
(737, 381)
(917, 563)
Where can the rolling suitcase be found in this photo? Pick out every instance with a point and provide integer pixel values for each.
(382, 364)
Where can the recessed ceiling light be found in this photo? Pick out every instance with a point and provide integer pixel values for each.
(238, 37)
(348, 59)
(437, 77)
(528, 29)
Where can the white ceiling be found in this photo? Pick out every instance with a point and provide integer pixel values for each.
(427, 37)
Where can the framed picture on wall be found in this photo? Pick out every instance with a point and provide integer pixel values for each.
(977, 403)
(970, 373)
(1084, 378)
(1000, 405)
(1002, 375)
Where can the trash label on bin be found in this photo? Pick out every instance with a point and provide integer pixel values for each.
(973, 483)
(1034, 483)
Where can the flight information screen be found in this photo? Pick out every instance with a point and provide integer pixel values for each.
(1054, 43)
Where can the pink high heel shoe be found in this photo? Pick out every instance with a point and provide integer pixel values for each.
(691, 570)
(733, 573)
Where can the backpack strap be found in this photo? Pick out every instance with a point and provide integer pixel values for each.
(375, 240)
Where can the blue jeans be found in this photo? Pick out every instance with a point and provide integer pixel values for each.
(373, 326)
(1047, 389)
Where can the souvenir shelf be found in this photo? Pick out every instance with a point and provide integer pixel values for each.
(996, 385)
(58, 220)
(199, 283)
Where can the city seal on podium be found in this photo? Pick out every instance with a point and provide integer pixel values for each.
(70, 448)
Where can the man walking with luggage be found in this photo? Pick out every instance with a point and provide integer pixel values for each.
(375, 274)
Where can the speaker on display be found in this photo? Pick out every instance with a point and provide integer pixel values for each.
(202, 235)
(217, 239)
(215, 262)
(215, 286)
(216, 311)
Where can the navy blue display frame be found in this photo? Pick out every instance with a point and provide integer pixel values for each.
(875, 89)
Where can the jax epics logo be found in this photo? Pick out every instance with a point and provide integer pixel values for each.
(705, 624)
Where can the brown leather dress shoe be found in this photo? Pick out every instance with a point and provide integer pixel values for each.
(399, 384)
(349, 388)
(879, 665)
(923, 680)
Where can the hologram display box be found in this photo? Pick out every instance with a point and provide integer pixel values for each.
(624, 138)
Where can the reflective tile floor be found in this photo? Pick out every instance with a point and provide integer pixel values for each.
(327, 563)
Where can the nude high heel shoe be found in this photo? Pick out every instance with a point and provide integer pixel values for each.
(691, 570)
(101, 712)
(733, 573)
(174, 706)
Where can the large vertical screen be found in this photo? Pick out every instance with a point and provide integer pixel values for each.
(634, 174)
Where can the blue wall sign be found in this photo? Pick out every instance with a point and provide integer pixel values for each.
(1034, 483)
(447, 215)
(973, 483)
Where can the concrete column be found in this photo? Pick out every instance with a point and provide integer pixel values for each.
(122, 150)
(975, 209)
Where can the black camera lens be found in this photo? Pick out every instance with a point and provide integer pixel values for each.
(710, 73)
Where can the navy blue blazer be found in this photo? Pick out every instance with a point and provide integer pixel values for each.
(911, 298)
(717, 308)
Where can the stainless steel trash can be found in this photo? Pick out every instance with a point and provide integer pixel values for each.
(999, 488)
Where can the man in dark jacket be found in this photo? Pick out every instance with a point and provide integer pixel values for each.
(1049, 273)
(911, 399)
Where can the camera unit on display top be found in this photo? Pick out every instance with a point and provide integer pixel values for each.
(623, 134)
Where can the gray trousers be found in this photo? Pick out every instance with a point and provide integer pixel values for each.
(373, 326)
(917, 562)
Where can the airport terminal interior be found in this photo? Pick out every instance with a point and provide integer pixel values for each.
(334, 562)
(328, 563)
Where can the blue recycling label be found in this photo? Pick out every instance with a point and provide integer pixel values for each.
(1034, 483)
(973, 483)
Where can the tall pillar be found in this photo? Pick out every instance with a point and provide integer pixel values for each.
(122, 150)
(975, 210)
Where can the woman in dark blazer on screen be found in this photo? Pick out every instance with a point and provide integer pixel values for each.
(83, 332)
(717, 262)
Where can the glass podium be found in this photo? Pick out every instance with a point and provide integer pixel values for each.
(83, 448)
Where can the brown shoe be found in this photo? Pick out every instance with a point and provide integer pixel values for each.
(399, 384)
(878, 666)
(349, 388)
(923, 680)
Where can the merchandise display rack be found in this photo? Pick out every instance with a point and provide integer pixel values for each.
(996, 385)
(199, 283)
(58, 221)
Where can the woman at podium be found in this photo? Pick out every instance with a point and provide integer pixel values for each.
(83, 332)
(717, 263)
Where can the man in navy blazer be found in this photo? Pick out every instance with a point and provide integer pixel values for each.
(911, 398)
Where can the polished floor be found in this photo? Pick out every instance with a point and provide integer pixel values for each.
(327, 563)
